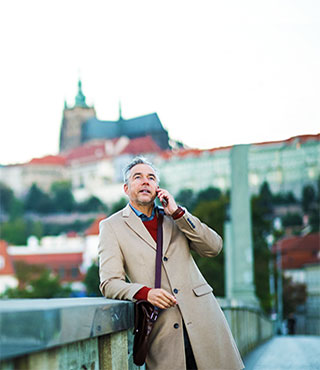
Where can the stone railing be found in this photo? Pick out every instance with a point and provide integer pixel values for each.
(91, 333)
(248, 324)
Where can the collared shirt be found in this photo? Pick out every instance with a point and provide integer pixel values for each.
(142, 215)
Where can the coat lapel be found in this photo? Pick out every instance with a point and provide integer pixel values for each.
(135, 223)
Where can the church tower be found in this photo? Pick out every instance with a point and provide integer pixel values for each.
(73, 119)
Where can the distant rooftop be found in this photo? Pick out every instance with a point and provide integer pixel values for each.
(298, 251)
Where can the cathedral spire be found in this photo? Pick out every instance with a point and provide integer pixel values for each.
(120, 112)
(80, 100)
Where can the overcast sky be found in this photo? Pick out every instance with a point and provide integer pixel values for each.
(216, 72)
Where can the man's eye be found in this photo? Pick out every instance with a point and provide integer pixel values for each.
(152, 178)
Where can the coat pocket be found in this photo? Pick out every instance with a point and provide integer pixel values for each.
(202, 289)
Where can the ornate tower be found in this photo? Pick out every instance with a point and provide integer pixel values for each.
(72, 120)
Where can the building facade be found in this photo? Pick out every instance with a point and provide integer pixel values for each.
(286, 165)
(73, 120)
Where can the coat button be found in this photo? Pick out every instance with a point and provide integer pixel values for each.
(175, 291)
(176, 325)
(165, 258)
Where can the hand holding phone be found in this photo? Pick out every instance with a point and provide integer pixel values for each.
(163, 199)
(167, 201)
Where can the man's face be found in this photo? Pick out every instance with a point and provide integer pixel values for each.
(142, 185)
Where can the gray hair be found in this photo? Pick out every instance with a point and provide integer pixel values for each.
(134, 162)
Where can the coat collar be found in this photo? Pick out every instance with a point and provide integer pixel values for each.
(135, 223)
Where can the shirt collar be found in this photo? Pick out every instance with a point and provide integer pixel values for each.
(142, 215)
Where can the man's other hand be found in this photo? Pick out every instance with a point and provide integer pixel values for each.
(161, 298)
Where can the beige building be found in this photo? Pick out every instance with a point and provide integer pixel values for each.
(41, 171)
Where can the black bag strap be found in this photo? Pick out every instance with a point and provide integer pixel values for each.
(159, 249)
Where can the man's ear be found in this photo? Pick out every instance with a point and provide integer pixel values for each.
(125, 188)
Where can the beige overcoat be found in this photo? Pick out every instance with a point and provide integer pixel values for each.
(127, 249)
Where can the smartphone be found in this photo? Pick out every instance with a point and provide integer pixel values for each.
(164, 202)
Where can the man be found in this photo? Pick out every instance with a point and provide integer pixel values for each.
(191, 331)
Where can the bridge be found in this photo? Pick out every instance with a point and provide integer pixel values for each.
(94, 333)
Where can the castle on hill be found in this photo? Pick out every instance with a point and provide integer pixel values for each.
(80, 125)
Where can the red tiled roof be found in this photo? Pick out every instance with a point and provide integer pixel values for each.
(93, 229)
(54, 160)
(299, 139)
(299, 250)
(141, 145)
(87, 152)
(196, 152)
(56, 262)
(52, 260)
(6, 266)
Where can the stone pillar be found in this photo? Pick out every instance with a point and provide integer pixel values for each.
(238, 232)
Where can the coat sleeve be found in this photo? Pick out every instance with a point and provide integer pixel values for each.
(202, 239)
(111, 266)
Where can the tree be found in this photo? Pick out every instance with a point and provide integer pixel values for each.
(92, 281)
(62, 196)
(38, 201)
(292, 219)
(35, 281)
(265, 200)
(212, 213)
(308, 197)
(118, 205)
(315, 220)
(93, 204)
(186, 198)
(15, 231)
(294, 294)
(261, 216)
(208, 194)
(6, 198)
(284, 198)
(9, 204)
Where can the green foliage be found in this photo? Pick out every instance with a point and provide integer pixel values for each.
(18, 230)
(38, 201)
(284, 198)
(6, 198)
(208, 194)
(9, 204)
(292, 219)
(294, 294)
(213, 214)
(62, 196)
(118, 205)
(308, 197)
(311, 205)
(92, 281)
(186, 198)
(36, 281)
(261, 210)
(265, 200)
(315, 220)
(15, 232)
(37, 229)
(93, 204)
(57, 229)
(16, 209)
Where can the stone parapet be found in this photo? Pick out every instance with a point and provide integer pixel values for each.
(93, 333)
